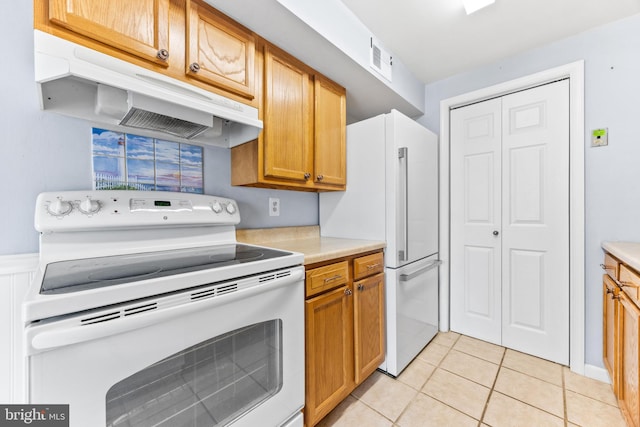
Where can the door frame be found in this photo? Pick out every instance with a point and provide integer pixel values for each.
(575, 73)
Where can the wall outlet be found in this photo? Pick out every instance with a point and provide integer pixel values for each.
(274, 206)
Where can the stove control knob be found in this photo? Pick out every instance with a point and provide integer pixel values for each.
(59, 207)
(216, 207)
(89, 206)
(231, 208)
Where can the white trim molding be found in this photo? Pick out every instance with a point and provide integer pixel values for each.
(575, 73)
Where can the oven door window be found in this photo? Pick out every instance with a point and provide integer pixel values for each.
(208, 384)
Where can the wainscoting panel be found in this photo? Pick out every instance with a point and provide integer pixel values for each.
(16, 273)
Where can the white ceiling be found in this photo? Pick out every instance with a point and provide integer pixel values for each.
(436, 39)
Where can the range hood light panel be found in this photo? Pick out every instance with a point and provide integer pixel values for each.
(148, 120)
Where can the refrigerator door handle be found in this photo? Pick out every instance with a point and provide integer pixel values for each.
(403, 155)
(413, 274)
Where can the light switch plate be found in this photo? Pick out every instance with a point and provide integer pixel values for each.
(600, 137)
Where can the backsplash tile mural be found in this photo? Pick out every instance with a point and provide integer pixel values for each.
(126, 161)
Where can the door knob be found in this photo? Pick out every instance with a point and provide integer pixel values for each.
(496, 232)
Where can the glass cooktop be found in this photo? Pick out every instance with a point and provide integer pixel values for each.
(90, 273)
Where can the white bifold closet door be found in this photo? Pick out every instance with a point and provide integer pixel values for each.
(510, 221)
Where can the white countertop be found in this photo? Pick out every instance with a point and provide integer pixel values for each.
(627, 252)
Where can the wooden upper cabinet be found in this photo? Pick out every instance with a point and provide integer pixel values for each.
(330, 133)
(140, 28)
(219, 52)
(288, 143)
(303, 143)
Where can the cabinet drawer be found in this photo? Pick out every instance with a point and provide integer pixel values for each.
(630, 282)
(368, 265)
(611, 266)
(328, 277)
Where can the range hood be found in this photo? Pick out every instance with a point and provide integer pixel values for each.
(81, 82)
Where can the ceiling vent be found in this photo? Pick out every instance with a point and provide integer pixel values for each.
(380, 60)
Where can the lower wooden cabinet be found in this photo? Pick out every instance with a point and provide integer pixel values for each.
(329, 352)
(344, 329)
(629, 331)
(611, 314)
(368, 301)
(621, 336)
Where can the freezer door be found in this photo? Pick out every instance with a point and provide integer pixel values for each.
(412, 311)
(412, 182)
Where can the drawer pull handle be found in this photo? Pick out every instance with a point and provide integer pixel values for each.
(332, 278)
(372, 266)
(628, 284)
(607, 267)
(623, 284)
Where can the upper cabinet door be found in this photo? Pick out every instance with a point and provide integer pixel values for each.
(140, 28)
(330, 133)
(219, 52)
(288, 142)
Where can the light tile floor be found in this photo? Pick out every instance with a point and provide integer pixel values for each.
(461, 381)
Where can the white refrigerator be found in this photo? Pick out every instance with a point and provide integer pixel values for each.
(392, 195)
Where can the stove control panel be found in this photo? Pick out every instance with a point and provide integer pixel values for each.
(107, 209)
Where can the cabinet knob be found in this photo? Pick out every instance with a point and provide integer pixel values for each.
(307, 175)
(163, 54)
(361, 287)
(348, 291)
(320, 177)
(496, 232)
(195, 67)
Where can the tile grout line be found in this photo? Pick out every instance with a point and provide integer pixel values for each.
(419, 391)
(458, 375)
(492, 390)
(495, 380)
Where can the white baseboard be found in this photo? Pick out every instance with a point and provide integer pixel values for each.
(597, 373)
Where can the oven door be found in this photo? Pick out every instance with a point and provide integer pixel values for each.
(197, 358)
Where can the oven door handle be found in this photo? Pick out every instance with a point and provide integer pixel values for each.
(55, 336)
